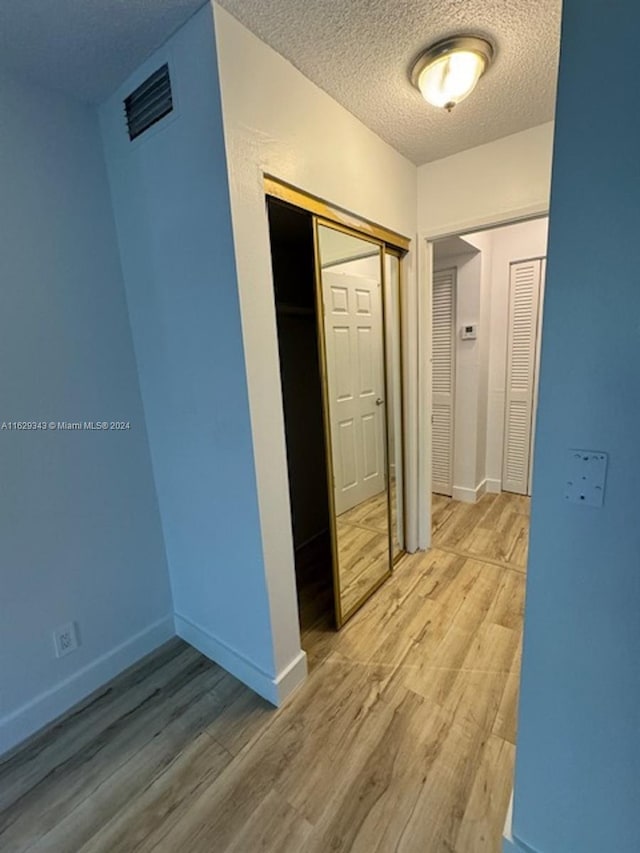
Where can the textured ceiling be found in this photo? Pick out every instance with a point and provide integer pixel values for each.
(452, 247)
(85, 47)
(360, 52)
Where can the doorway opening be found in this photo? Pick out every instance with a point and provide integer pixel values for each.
(337, 299)
(487, 305)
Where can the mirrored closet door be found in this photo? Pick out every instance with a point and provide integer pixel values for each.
(358, 303)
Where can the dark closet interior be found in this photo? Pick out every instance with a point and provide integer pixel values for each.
(293, 264)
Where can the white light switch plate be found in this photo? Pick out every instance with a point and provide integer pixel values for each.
(586, 475)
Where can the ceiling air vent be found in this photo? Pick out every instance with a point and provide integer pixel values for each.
(150, 102)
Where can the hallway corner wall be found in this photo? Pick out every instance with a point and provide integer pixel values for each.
(171, 199)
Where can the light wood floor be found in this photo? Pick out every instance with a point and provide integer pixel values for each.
(400, 741)
(495, 529)
(363, 549)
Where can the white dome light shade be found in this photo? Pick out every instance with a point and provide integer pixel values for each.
(447, 72)
(450, 79)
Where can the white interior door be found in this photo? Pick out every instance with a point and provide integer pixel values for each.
(443, 378)
(525, 288)
(355, 382)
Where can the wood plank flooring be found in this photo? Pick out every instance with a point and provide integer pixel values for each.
(400, 741)
(363, 549)
(495, 529)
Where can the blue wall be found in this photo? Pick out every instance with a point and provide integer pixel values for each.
(170, 193)
(80, 533)
(578, 758)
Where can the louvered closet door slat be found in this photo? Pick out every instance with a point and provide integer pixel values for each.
(524, 294)
(443, 354)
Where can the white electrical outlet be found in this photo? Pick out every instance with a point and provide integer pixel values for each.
(65, 639)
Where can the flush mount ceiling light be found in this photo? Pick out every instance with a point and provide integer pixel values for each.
(448, 71)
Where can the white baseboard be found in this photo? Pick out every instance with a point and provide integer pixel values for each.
(469, 496)
(494, 487)
(509, 843)
(291, 677)
(273, 689)
(48, 706)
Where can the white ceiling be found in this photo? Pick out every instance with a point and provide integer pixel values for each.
(360, 52)
(452, 247)
(85, 47)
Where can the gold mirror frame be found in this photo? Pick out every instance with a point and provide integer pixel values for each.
(341, 616)
(396, 253)
(359, 226)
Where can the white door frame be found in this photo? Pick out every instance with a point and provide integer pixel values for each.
(425, 294)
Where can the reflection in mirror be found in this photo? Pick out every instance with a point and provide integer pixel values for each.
(394, 400)
(351, 287)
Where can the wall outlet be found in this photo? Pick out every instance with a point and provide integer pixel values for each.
(65, 639)
(586, 475)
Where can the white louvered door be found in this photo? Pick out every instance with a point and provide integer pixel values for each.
(525, 286)
(443, 377)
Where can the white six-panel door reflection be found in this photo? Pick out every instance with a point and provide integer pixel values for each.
(355, 379)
